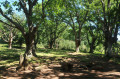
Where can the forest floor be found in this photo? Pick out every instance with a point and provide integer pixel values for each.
(103, 68)
(48, 65)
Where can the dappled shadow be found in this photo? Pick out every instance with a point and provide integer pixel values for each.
(110, 69)
(53, 71)
(10, 55)
(31, 75)
(10, 58)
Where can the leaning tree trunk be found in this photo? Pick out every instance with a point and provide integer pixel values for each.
(77, 43)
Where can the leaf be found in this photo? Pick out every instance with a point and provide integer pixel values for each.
(15, 3)
(6, 4)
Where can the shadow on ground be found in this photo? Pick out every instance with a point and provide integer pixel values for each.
(107, 69)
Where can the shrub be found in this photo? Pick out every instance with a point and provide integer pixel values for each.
(65, 44)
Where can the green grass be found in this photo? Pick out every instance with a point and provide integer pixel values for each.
(53, 52)
(10, 57)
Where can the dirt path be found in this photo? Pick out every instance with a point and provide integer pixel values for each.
(107, 70)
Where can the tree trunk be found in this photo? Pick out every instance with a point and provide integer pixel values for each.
(35, 45)
(91, 48)
(33, 50)
(29, 53)
(10, 44)
(108, 49)
(77, 43)
(30, 48)
(92, 45)
(10, 40)
(51, 44)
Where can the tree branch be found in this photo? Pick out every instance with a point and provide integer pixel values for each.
(19, 22)
(23, 5)
(47, 2)
(3, 33)
(34, 2)
(6, 23)
(103, 6)
(73, 26)
(16, 24)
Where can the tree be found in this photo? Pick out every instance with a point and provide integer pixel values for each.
(29, 29)
(55, 31)
(8, 34)
(108, 15)
(19, 39)
(53, 25)
(77, 11)
(93, 35)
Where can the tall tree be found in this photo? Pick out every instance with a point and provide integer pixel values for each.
(53, 25)
(7, 34)
(77, 11)
(93, 35)
(30, 28)
(109, 19)
(54, 31)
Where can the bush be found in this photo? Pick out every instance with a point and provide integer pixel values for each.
(65, 44)
(99, 49)
(83, 47)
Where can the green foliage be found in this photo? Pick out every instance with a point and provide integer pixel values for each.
(19, 40)
(66, 44)
(56, 22)
(84, 47)
(99, 49)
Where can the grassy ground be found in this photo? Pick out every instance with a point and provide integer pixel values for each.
(11, 56)
(51, 58)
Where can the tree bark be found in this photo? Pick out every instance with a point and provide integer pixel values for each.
(109, 41)
(77, 43)
(10, 40)
(92, 45)
(51, 44)
(29, 52)
(30, 47)
(33, 50)
(10, 44)
(108, 49)
(91, 48)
